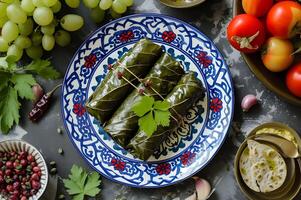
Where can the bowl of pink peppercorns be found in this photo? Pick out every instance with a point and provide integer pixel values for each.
(23, 171)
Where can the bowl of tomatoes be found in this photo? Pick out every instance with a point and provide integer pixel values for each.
(267, 33)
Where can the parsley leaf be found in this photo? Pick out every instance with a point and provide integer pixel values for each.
(43, 68)
(23, 84)
(80, 183)
(162, 105)
(148, 124)
(9, 108)
(152, 114)
(162, 117)
(143, 106)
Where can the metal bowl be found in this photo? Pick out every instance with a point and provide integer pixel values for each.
(181, 3)
(292, 184)
(273, 81)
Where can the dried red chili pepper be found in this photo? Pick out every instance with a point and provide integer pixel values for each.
(42, 105)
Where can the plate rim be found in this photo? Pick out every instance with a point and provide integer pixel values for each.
(230, 82)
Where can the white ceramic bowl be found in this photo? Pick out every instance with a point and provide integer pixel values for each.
(18, 146)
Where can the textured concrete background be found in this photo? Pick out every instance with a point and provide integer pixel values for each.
(211, 18)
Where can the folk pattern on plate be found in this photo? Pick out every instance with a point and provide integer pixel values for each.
(116, 37)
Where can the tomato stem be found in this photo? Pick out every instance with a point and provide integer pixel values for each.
(245, 42)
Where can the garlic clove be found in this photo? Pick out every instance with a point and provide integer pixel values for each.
(202, 187)
(248, 102)
(192, 197)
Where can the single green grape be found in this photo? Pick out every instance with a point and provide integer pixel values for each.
(49, 3)
(91, 3)
(105, 4)
(119, 7)
(14, 51)
(49, 29)
(16, 14)
(3, 7)
(22, 42)
(3, 45)
(8, 1)
(10, 31)
(114, 14)
(36, 38)
(71, 22)
(3, 20)
(38, 3)
(43, 16)
(48, 42)
(128, 2)
(62, 38)
(97, 15)
(26, 28)
(72, 3)
(34, 52)
(57, 7)
(27, 6)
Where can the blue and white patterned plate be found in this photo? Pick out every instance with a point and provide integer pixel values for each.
(198, 138)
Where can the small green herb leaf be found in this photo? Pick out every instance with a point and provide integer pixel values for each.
(148, 124)
(43, 68)
(80, 183)
(23, 84)
(143, 106)
(162, 117)
(91, 187)
(162, 105)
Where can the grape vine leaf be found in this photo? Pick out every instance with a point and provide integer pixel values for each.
(81, 184)
(9, 105)
(23, 84)
(43, 68)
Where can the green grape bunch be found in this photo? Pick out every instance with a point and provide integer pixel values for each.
(31, 26)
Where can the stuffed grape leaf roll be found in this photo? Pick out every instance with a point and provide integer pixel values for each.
(186, 93)
(113, 90)
(163, 77)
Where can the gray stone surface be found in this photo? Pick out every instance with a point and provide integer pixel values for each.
(211, 18)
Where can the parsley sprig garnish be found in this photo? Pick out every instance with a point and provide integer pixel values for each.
(81, 183)
(152, 114)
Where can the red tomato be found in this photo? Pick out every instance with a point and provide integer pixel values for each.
(257, 8)
(246, 33)
(293, 79)
(284, 19)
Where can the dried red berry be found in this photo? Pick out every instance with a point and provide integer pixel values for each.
(36, 169)
(119, 75)
(35, 185)
(30, 158)
(148, 83)
(35, 177)
(9, 164)
(141, 91)
(110, 67)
